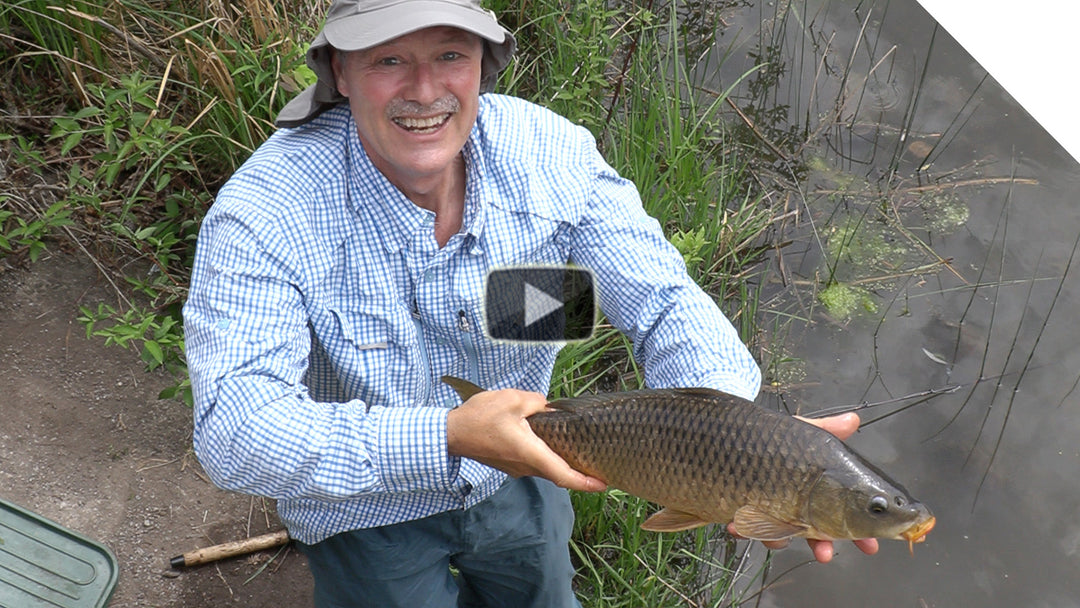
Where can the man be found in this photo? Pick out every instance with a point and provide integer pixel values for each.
(339, 274)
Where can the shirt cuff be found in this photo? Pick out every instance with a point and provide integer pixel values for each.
(412, 449)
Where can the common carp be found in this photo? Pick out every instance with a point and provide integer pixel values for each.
(711, 457)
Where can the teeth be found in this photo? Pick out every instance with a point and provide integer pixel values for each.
(421, 124)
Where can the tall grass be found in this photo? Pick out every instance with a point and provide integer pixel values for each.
(661, 131)
(157, 107)
(160, 102)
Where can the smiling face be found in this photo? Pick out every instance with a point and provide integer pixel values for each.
(414, 100)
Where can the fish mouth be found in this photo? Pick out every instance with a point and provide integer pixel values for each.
(917, 533)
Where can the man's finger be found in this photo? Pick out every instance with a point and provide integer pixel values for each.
(823, 550)
(556, 469)
(583, 483)
(842, 425)
(868, 546)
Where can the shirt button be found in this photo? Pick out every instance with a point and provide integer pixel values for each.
(429, 275)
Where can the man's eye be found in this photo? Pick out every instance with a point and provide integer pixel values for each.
(451, 55)
(389, 61)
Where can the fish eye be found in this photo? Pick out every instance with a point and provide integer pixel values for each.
(879, 504)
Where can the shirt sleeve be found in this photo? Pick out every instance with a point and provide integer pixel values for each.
(679, 333)
(256, 428)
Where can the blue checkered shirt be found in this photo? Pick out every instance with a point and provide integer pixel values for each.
(322, 312)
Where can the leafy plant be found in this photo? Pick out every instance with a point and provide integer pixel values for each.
(18, 234)
(156, 337)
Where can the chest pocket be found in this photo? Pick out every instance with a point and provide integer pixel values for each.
(371, 355)
(536, 240)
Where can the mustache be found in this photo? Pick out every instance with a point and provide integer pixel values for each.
(401, 108)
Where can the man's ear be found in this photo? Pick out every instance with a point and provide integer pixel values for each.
(337, 65)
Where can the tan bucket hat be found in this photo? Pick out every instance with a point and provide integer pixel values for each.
(352, 25)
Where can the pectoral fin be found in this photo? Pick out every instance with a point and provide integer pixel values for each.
(671, 520)
(752, 522)
(463, 388)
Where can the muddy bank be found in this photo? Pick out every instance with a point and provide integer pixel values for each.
(85, 441)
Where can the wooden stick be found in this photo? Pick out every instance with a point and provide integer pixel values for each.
(230, 549)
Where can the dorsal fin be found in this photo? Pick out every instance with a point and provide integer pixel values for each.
(466, 389)
(463, 388)
(583, 402)
(574, 404)
(710, 393)
(698, 390)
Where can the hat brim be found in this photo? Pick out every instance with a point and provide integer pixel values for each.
(372, 28)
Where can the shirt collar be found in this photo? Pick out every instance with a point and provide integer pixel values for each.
(370, 192)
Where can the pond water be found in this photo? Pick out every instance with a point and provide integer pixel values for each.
(951, 216)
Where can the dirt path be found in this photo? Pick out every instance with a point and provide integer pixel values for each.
(84, 441)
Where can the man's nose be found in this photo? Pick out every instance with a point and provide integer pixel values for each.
(424, 87)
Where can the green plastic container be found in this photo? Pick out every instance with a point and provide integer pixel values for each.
(43, 564)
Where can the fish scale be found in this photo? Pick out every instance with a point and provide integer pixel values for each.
(708, 456)
(691, 444)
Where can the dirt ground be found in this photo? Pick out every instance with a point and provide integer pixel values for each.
(85, 442)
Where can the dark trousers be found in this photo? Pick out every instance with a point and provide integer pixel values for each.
(510, 550)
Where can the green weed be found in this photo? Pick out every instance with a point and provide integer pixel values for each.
(155, 336)
(20, 235)
(621, 565)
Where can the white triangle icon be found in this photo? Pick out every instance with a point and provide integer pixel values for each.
(538, 304)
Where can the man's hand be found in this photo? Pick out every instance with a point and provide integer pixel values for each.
(843, 426)
(491, 428)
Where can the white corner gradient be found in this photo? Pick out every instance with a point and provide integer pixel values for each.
(1032, 48)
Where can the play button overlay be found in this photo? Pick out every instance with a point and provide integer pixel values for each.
(540, 304)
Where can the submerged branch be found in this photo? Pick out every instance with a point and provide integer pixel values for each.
(981, 181)
(1027, 363)
(757, 132)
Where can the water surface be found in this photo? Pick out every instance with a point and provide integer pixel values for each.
(998, 459)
